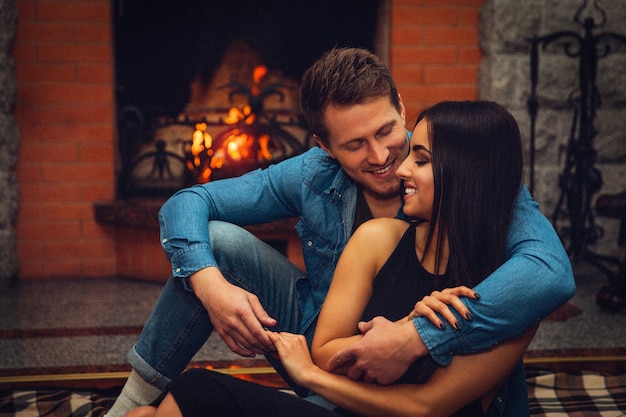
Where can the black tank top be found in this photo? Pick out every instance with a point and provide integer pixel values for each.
(400, 283)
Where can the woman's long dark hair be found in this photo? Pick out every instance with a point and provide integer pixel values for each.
(478, 166)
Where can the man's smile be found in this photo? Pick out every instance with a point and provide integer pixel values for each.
(383, 170)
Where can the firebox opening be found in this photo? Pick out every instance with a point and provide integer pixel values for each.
(197, 80)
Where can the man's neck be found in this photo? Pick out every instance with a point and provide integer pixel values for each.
(382, 207)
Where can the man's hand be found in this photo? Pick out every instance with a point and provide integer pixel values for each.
(383, 354)
(237, 315)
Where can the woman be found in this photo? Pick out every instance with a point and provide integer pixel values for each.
(461, 178)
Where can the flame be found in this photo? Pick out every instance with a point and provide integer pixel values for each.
(201, 141)
(236, 147)
(264, 152)
(234, 116)
(257, 75)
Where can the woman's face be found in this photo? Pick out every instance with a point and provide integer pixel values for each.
(417, 173)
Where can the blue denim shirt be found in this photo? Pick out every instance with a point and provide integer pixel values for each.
(535, 280)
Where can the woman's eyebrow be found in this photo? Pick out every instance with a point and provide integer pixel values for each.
(416, 148)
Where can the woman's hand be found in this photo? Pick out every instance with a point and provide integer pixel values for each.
(441, 302)
(294, 354)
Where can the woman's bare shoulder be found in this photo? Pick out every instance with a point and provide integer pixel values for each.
(382, 230)
(372, 243)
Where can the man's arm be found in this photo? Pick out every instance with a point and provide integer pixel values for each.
(536, 279)
(258, 197)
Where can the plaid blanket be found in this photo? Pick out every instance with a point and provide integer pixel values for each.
(584, 394)
(54, 402)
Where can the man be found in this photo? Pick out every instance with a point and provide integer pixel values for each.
(225, 279)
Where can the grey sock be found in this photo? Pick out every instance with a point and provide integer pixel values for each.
(136, 392)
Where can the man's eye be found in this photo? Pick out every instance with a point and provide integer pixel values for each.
(355, 145)
(384, 132)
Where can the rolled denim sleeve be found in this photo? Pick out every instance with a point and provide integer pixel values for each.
(536, 279)
(257, 197)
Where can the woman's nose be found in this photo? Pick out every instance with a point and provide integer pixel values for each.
(401, 172)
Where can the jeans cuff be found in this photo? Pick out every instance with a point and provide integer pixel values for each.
(147, 372)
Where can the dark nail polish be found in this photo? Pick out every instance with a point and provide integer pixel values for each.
(457, 326)
(442, 326)
(477, 296)
(469, 316)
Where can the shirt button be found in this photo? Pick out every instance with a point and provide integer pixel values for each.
(177, 269)
(499, 399)
(164, 240)
(309, 243)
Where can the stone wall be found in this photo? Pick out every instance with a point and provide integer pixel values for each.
(9, 142)
(505, 77)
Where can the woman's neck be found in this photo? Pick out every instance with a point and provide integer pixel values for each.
(428, 256)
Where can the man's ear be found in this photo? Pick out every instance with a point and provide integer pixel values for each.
(324, 147)
(402, 109)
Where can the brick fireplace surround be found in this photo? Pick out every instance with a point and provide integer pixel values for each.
(65, 112)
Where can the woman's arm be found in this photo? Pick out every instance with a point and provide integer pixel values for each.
(450, 388)
(351, 288)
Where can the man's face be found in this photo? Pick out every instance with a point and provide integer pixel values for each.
(369, 141)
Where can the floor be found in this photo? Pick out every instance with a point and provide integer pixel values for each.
(55, 327)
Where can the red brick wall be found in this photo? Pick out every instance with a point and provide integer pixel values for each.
(434, 53)
(65, 112)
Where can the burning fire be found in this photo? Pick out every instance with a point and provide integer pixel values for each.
(238, 144)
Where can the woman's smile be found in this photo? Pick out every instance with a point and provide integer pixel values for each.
(409, 191)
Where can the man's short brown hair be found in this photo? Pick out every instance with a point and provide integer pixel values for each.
(343, 77)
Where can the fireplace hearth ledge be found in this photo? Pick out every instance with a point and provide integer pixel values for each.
(143, 214)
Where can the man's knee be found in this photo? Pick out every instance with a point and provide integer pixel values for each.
(226, 237)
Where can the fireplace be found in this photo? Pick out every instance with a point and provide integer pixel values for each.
(209, 89)
(71, 221)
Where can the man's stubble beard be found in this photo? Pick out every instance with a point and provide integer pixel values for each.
(389, 193)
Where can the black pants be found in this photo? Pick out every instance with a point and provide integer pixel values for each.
(203, 393)
(200, 392)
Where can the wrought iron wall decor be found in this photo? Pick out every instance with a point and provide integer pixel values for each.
(185, 161)
(579, 179)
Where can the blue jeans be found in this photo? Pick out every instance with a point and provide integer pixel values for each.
(179, 324)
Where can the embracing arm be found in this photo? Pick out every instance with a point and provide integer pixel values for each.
(448, 389)
(535, 280)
